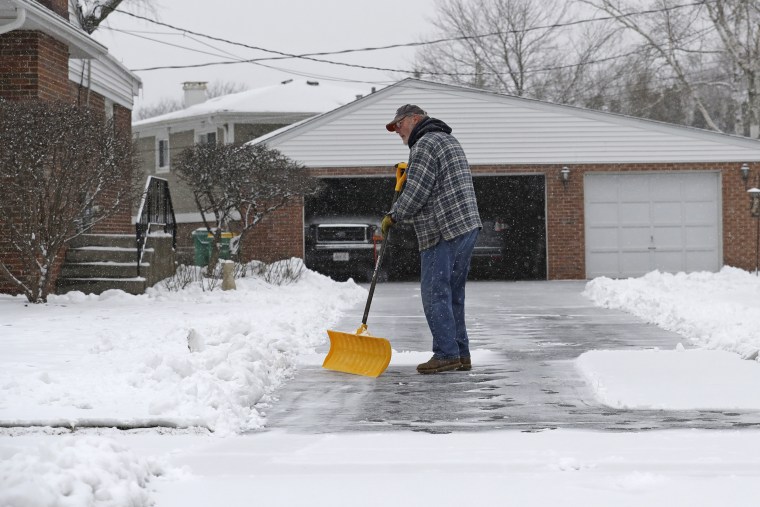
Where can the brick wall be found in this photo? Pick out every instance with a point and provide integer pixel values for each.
(565, 223)
(121, 222)
(278, 236)
(33, 66)
(281, 234)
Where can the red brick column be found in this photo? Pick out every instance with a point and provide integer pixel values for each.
(278, 236)
(33, 66)
(121, 222)
(565, 233)
(739, 227)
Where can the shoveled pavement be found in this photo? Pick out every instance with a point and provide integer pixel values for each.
(533, 330)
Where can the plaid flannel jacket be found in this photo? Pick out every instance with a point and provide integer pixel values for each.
(438, 195)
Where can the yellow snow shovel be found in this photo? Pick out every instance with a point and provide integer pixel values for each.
(361, 353)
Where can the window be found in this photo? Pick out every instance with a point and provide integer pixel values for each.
(207, 138)
(162, 164)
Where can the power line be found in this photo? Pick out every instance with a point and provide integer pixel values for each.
(311, 56)
(236, 59)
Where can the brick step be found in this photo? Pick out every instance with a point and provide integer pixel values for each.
(103, 240)
(97, 262)
(100, 285)
(113, 254)
(102, 269)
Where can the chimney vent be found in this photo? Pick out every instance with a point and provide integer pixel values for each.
(195, 92)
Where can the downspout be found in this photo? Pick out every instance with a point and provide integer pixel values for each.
(16, 23)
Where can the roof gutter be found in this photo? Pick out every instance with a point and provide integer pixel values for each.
(16, 23)
(37, 17)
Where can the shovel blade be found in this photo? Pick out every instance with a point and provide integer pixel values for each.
(358, 354)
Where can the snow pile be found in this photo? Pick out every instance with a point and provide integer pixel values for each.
(76, 471)
(671, 379)
(176, 359)
(713, 310)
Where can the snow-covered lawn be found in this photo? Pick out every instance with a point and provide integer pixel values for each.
(203, 361)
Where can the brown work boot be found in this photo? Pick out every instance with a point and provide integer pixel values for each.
(438, 365)
(466, 364)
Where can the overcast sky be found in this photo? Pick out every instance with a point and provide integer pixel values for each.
(289, 26)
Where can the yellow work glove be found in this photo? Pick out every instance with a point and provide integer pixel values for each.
(386, 224)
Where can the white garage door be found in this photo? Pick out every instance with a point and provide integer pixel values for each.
(636, 223)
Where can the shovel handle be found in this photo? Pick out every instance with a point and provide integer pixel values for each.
(400, 180)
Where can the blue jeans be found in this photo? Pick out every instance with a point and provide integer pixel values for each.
(444, 272)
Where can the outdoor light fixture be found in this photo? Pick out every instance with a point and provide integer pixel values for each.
(745, 173)
(565, 173)
(754, 210)
(754, 201)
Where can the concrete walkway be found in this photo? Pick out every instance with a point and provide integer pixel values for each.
(529, 382)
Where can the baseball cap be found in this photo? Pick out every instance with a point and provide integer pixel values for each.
(403, 111)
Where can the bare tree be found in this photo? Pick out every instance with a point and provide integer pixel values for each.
(63, 169)
(519, 47)
(234, 183)
(92, 13)
(737, 23)
(165, 105)
(705, 46)
(221, 88)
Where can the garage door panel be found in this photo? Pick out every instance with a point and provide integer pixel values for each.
(633, 262)
(699, 212)
(606, 188)
(668, 237)
(666, 221)
(634, 212)
(608, 262)
(666, 213)
(605, 238)
(607, 211)
(700, 237)
(699, 190)
(664, 187)
(634, 185)
(701, 260)
(669, 261)
(635, 238)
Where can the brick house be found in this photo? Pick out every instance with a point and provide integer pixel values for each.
(233, 118)
(45, 55)
(579, 193)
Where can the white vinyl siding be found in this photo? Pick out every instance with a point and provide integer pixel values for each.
(108, 79)
(637, 223)
(500, 129)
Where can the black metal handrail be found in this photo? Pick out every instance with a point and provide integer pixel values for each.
(155, 209)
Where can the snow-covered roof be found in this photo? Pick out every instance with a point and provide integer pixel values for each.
(500, 129)
(292, 96)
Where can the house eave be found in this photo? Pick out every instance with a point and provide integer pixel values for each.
(42, 19)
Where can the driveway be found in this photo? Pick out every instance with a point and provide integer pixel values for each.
(528, 381)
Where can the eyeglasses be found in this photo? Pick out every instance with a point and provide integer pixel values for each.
(398, 123)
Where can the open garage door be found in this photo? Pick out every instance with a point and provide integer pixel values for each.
(511, 246)
(636, 223)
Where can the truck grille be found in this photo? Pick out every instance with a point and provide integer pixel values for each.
(331, 234)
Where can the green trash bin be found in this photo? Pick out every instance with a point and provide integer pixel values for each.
(202, 242)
